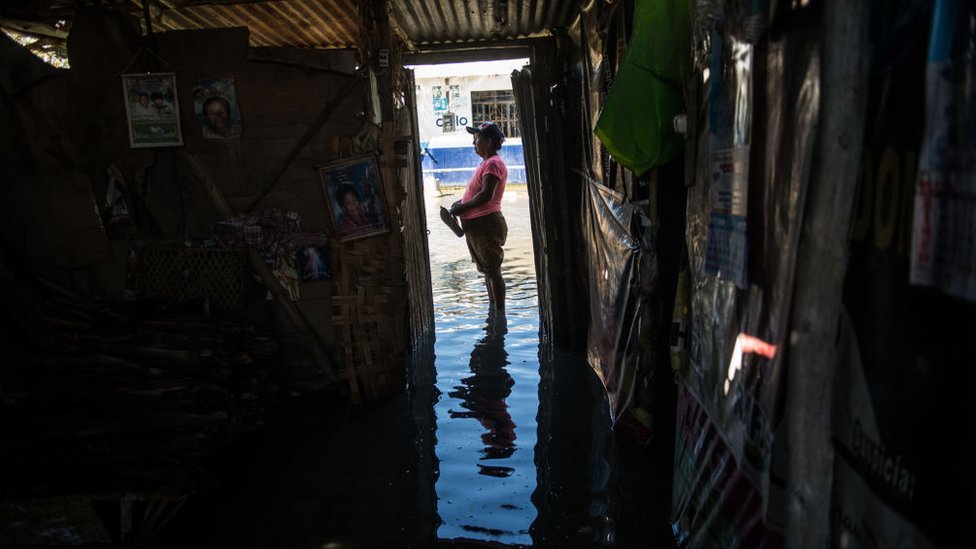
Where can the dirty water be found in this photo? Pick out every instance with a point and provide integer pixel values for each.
(498, 442)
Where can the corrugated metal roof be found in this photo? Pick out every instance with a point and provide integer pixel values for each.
(334, 23)
(428, 22)
(298, 23)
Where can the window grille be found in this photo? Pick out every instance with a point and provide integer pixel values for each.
(497, 106)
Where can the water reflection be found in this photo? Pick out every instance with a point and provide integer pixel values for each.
(487, 375)
(520, 444)
(502, 441)
(483, 395)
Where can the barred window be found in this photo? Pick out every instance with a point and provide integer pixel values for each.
(497, 106)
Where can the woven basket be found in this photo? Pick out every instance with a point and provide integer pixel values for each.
(179, 275)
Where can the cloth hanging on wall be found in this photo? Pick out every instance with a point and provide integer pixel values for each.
(277, 235)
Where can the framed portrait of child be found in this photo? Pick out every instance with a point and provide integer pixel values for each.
(354, 195)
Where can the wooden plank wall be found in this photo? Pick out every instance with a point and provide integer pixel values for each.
(361, 315)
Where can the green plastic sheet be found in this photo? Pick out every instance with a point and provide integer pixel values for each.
(635, 124)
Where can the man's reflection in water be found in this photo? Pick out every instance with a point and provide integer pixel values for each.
(483, 395)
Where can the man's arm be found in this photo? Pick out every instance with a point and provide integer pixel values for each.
(490, 183)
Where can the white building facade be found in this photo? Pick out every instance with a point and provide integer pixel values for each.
(453, 96)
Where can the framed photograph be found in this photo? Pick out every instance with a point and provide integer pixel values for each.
(152, 110)
(313, 264)
(354, 194)
(215, 104)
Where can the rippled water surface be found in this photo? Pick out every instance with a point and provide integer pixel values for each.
(487, 375)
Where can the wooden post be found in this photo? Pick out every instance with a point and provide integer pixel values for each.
(820, 271)
(384, 77)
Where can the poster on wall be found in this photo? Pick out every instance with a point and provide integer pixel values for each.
(151, 109)
(457, 100)
(215, 105)
(943, 246)
(354, 194)
(313, 264)
(730, 105)
(730, 458)
(439, 99)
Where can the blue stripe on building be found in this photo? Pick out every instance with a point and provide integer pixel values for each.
(456, 164)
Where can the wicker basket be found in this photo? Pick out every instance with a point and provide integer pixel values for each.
(179, 275)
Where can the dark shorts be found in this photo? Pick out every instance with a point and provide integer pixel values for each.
(485, 236)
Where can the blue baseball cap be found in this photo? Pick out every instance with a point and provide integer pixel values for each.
(489, 130)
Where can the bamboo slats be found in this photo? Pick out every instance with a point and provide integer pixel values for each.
(368, 314)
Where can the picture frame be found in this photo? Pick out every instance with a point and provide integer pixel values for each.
(152, 110)
(216, 108)
(313, 263)
(354, 195)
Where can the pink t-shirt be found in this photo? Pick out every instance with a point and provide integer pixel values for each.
(492, 165)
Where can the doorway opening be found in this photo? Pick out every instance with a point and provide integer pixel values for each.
(485, 367)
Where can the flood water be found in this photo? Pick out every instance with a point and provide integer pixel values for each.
(524, 448)
(487, 377)
(498, 441)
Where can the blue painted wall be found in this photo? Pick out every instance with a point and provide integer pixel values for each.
(455, 163)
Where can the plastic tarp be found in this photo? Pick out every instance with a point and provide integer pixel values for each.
(589, 34)
(613, 277)
(728, 458)
(636, 124)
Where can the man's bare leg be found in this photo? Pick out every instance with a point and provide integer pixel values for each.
(496, 290)
(491, 292)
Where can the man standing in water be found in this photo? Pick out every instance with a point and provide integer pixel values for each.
(480, 211)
